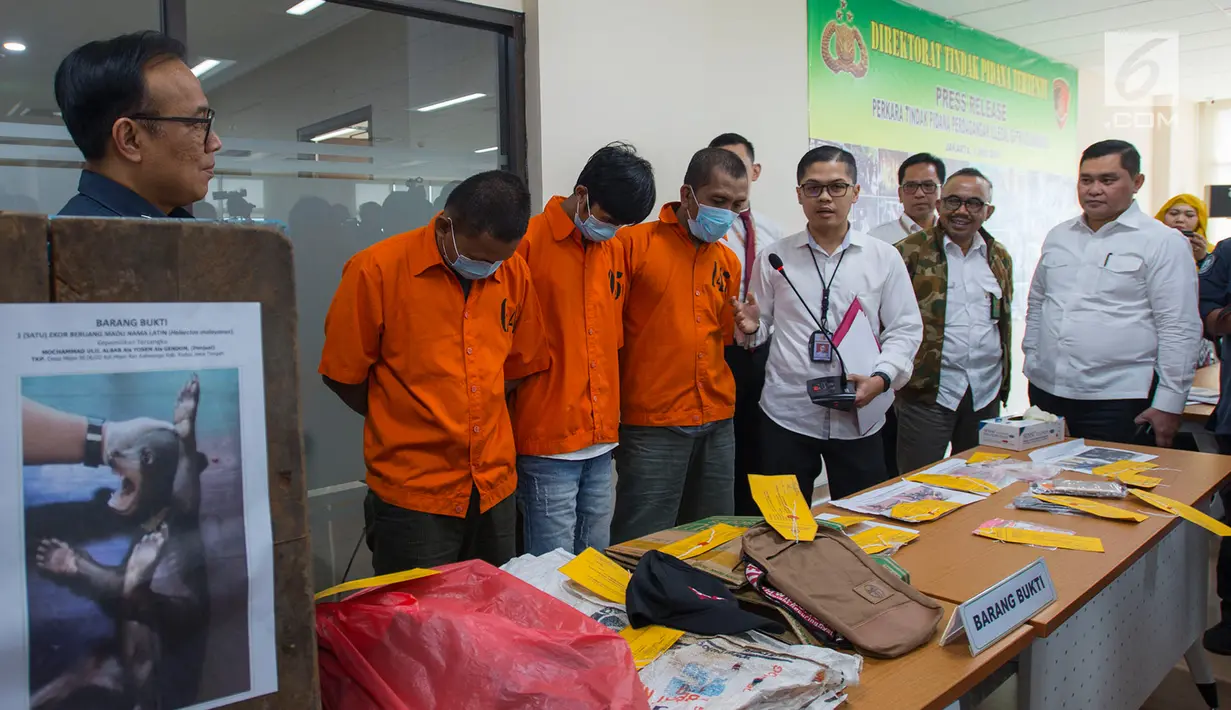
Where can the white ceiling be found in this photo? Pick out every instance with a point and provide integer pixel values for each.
(248, 32)
(1072, 31)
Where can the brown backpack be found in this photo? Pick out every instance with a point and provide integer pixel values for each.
(835, 581)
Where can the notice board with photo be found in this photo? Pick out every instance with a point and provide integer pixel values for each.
(256, 628)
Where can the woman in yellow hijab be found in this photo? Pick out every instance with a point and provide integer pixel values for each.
(1188, 214)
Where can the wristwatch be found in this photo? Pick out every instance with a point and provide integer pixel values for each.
(888, 382)
(93, 442)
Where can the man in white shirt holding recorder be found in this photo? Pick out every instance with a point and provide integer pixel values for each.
(831, 265)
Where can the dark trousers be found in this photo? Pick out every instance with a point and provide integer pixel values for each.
(1102, 419)
(889, 439)
(853, 464)
(748, 367)
(403, 539)
(926, 430)
(1222, 572)
(665, 478)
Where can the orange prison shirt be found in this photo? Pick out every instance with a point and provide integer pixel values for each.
(435, 362)
(677, 320)
(576, 403)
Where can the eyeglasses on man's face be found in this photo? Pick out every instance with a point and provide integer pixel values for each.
(953, 203)
(207, 121)
(814, 189)
(928, 187)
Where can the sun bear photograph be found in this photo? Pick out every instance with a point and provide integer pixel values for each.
(136, 557)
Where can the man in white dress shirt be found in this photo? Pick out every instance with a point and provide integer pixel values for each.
(1112, 319)
(963, 280)
(919, 179)
(750, 236)
(832, 265)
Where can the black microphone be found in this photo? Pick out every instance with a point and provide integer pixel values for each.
(776, 262)
(831, 392)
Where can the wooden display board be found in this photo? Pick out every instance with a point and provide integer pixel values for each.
(126, 261)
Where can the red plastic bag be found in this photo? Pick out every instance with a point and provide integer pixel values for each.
(469, 637)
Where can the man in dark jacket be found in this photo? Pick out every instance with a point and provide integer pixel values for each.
(1215, 280)
(143, 124)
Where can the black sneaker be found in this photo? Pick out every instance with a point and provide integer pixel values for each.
(1218, 639)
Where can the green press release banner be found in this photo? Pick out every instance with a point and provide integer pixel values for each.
(889, 75)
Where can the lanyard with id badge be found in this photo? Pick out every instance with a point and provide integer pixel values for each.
(820, 345)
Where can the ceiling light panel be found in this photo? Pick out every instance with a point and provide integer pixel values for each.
(451, 102)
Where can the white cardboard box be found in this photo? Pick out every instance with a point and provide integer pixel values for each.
(1017, 434)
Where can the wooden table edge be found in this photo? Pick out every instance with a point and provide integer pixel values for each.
(990, 661)
(1198, 412)
(1004, 651)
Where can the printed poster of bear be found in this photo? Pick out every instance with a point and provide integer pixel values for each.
(137, 570)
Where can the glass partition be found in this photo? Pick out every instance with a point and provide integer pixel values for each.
(342, 124)
(348, 125)
(39, 164)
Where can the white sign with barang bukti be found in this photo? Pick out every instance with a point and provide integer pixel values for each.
(993, 613)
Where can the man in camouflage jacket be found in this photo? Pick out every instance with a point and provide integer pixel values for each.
(963, 280)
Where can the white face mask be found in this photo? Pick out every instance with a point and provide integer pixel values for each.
(594, 229)
(468, 268)
(711, 223)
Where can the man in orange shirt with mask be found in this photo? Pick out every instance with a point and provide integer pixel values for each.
(423, 332)
(676, 461)
(566, 420)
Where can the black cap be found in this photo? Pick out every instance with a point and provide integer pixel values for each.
(669, 592)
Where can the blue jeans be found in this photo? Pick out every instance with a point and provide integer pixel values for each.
(565, 503)
(666, 478)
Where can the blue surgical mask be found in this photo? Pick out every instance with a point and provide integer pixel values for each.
(711, 223)
(468, 268)
(594, 229)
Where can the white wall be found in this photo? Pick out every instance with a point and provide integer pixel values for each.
(698, 68)
(1214, 162)
(1177, 142)
(1184, 160)
(1097, 121)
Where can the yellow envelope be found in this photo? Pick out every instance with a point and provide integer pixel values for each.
(981, 456)
(1094, 507)
(783, 506)
(650, 642)
(957, 483)
(1187, 512)
(703, 541)
(596, 572)
(920, 511)
(1138, 481)
(880, 538)
(1119, 467)
(1043, 539)
(380, 581)
(848, 520)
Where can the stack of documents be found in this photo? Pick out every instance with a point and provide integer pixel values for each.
(1202, 395)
